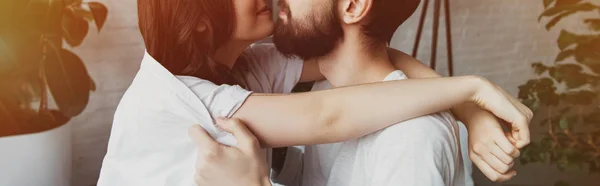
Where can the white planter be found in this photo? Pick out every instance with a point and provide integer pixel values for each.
(40, 159)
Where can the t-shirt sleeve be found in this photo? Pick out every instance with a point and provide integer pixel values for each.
(220, 100)
(281, 72)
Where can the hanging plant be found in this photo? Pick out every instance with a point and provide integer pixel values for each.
(34, 62)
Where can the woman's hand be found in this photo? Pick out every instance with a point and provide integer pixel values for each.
(229, 166)
(492, 98)
(490, 150)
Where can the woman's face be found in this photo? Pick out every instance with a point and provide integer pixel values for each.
(253, 20)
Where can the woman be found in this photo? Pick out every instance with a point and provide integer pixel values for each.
(195, 48)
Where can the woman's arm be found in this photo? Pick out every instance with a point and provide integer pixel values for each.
(415, 69)
(464, 112)
(485, 131)
(344, 113)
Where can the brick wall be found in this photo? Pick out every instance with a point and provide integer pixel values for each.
(497, 40)
(494, 39)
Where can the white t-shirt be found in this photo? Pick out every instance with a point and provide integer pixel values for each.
(149, 144)
(388, 157)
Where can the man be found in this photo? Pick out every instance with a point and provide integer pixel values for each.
(348, 38)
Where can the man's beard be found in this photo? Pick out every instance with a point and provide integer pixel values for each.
(309, 38)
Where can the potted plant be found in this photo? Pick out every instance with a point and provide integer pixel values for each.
(36, 69)
(564, 96)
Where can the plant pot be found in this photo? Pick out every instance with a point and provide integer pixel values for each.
(42, 158)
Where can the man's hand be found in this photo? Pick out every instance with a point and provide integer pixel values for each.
(492, 151)
(229, 166)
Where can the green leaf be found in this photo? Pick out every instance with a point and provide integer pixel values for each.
(581, 97)
(566, 39)
(594, 65)
(566, 2)
(571, 74)
(564, 123)
(594, 24)
(588, 52)
(558, 18)
(545, 157)
(92, 85)
(80, 12)
(563, 71)
(68, 80)
(570, 7)
(539, 68)
(547, 3)
(549, 98)
(74, 29)
(547, 83)
(546, 143)
(564, 55)
(525, 90)
(531, 104)
(100, 12)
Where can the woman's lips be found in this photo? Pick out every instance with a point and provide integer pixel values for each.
(264, 10)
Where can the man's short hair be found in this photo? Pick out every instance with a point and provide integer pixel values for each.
(386, 16)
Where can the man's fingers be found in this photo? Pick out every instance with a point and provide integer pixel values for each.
(503, 142)
(246, 140)
(501, 155)
(489, 172)
(495, 163)
(202, 139)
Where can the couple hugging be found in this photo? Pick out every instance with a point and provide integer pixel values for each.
(376, 116)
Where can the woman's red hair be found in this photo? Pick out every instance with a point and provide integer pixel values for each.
(170, 32)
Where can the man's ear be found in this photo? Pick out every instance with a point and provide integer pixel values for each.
(354, 11)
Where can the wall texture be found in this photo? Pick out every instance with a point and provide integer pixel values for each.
(112, 58)
(494, 39)
(497, 40)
